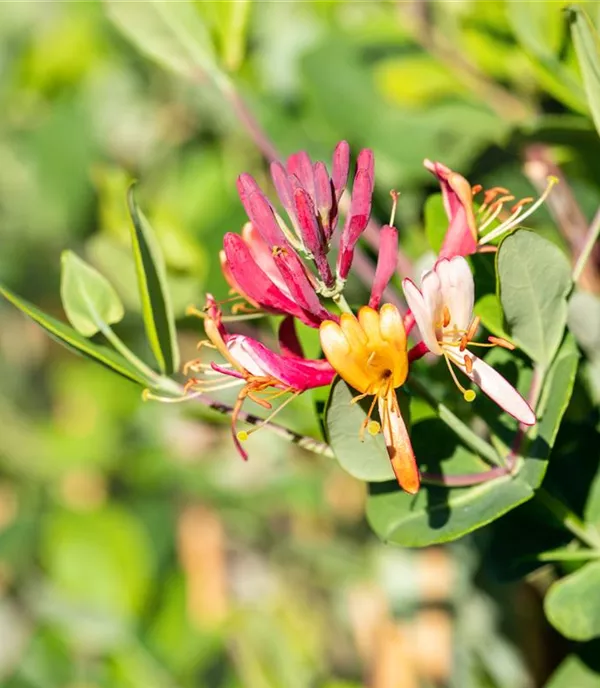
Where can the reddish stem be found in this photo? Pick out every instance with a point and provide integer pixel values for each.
(418, 351)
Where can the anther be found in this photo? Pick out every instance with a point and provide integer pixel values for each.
(468, 364)
(519, 204)
(373, 427)
(498, 341)
(476, 189)
(446, 316)
(473, 327)
(464, 340)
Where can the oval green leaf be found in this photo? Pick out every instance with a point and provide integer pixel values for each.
(587, 47)
(572, 604)
(534, 282)
(367, 460)
(154, 295)
(438, 513)
(574, 672)
(74, 341)
(89, 300)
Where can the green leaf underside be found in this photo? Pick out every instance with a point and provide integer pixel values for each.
(436, 222)
(89, 300)
(587, 47)
(156, 305)
(70, 338)
(572, 604)
(534, 281)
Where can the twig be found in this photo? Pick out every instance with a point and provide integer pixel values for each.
(590, 243)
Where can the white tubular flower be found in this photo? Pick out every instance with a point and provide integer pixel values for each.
(443, 311)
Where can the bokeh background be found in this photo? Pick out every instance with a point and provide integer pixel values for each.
(136, 550)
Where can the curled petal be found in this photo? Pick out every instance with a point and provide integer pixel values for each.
(289, 344)
(461, 237)
(458, 289)
(298, 374)
(386, 263)
(422, 315)
(497, 388)
(338, 351)
(398, 444)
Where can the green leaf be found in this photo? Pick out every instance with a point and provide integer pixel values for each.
(367, 460)
(572, 604)
(583, 320)
(488, 308)
(89, 300)
(172, 33)
(573, 673)
(154, 295)
(556, 394)
(436, 222)
(538, 27)
(534, 281)
(440, 514)
(74, 341)
(587, 47)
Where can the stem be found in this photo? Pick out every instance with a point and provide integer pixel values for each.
(535, 390)
(561, 512)
(588, 247)
(462, 431)
(464, 480)
(341, 303)
(568, 555)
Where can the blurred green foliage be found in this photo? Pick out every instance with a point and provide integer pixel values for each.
(135, 549)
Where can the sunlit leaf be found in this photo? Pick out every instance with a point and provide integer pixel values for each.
(89, 300)
(572, 604)
(67, 336)
(587, 46)
(573, 671)
(153, 290)
(436, 222)
(534, 281)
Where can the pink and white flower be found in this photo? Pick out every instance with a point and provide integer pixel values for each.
(469, 229)
(261, 374)
(443, 311)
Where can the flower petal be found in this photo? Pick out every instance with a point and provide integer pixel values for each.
(300, 165)
(458, 289)
(340, 167)
(398, 444)
(339, 354)
(422, 315)
(498, 389)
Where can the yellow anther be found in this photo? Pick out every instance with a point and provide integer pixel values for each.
(373, 427)
(469, 395)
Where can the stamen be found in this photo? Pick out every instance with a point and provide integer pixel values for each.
(494, 210)
(463, 343)
(367, 420)
(395, 195)
(446, 317)
(476, 189)
(468, 394)
(516, 217)
(473, 327)
(468, 364)
(147, 395)
(521, 203)
(499, 341)
(270, 416)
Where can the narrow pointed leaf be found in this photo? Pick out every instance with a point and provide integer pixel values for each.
(154, 296)
(70, 338)
(89, 300)
(587, 47)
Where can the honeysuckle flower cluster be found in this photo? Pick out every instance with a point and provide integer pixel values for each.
(282, 266)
